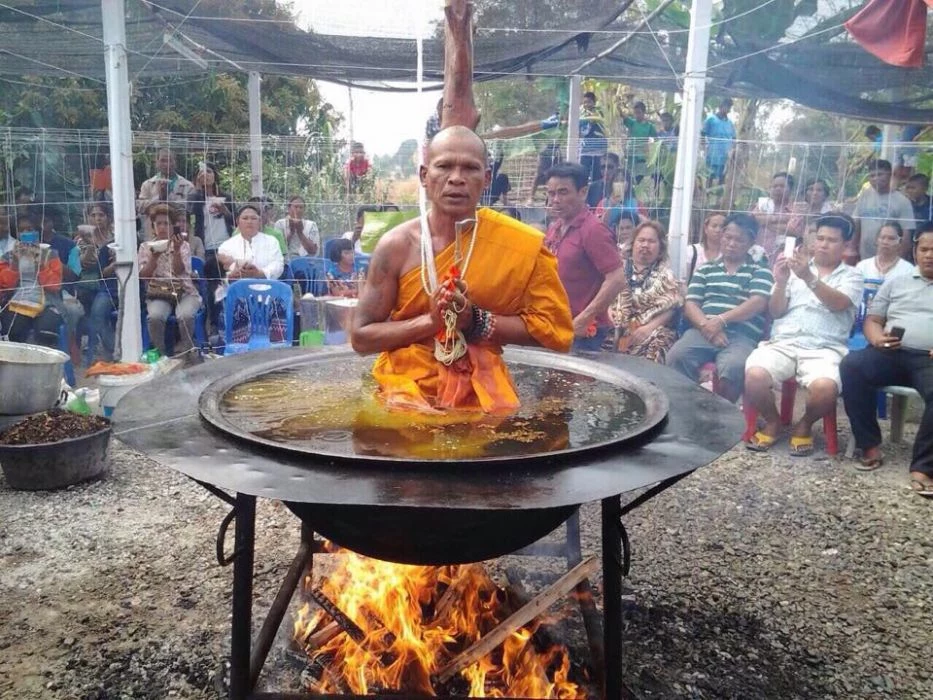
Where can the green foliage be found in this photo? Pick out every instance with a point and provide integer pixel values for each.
(513, 101)
(401, 164)
(216, 103)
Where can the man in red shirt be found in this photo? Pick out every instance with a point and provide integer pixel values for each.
(588, 260)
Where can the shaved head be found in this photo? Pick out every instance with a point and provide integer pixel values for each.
(461, 138)
(455, 172)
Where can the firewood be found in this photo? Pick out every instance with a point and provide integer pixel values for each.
(321, 636)
(465, 574)
(354, 631)
(560, 588)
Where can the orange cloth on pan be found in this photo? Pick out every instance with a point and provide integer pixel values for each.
(511, 274)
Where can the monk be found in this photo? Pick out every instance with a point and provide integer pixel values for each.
(507, 291)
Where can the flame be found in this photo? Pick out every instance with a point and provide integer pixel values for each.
(406, 640)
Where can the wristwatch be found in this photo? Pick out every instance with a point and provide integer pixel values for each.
(812, 283)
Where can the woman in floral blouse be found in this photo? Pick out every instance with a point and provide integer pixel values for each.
(643, 314)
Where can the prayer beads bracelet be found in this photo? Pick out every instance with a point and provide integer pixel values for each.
(483, 325)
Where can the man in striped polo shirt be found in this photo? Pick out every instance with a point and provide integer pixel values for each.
(725, 305)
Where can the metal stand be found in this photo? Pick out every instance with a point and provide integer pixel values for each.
(604, 635)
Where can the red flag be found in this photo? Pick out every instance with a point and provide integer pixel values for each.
(895, 32)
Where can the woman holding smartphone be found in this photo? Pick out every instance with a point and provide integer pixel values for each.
(31, 270)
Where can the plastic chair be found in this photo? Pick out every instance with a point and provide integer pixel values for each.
(310, 274)
(868, 293)
(259, 296)
(788, 395)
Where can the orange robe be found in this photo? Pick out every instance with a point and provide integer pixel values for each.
(511, 273)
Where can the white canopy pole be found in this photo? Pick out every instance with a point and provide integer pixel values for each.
(121, 164)
(691, 115)
(255, 135)
(573, 118)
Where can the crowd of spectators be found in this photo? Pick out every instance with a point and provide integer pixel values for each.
(764, 297)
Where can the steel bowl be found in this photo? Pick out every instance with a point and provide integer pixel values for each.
(30, 378)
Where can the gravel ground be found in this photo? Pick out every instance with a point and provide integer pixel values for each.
(757, 577)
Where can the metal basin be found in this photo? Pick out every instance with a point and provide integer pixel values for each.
(398, 507)
(30, 378)
(573, 410)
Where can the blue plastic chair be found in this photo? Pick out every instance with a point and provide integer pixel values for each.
(310, 274)
(361, 260)
(857, 340)
(259, 295)
(868, 293)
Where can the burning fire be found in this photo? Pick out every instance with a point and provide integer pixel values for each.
(405, 624)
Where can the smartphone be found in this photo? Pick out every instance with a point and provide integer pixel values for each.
(790, 245)
(897, 332)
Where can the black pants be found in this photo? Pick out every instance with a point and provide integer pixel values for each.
(45, 325)
(594, 167)
(864, 372)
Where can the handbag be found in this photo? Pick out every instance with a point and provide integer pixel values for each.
(164, 289)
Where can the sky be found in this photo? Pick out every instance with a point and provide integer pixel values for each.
(380, 120)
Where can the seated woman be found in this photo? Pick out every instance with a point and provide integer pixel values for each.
(92, 262)
(165, 267)
(707, 249)
(643, 313)
(887, 262)
(251, 254)
(31, 272)
(625, 230)
(343, 273)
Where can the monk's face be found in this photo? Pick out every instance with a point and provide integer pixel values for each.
(455, 173)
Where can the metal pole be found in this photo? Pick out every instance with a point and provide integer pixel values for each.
(241, 624)
(888, 137)
(573, 118)
(612, 598)
(691, 116)
(121, 164)
(255, 135)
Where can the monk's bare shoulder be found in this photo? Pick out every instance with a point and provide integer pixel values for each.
(398, 249)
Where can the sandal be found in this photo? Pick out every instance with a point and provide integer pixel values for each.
(801, 446)
(761, 442)
(922, 488)
(869, 464)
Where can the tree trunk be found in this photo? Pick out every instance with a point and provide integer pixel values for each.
(738, 165)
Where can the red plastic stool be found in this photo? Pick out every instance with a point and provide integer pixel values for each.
(788, 395)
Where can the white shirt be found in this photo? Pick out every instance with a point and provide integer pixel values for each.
(180, 192)
(6, 245)
(358, 246)
(869, 270)
(262, 251)
(215, 229)
(808, 322)
(295, 248)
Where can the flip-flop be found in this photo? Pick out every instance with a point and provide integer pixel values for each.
(922, 488)
(762, 442)
(869, 464)
(801, 446)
